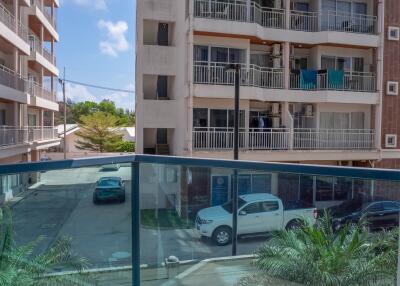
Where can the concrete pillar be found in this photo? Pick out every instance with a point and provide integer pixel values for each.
(286, 64)
(52, 118)
(41, 123)
(287, 13)
(16, 13)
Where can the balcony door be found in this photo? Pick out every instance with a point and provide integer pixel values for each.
(163, 34)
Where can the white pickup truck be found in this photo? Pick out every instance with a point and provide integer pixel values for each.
(257, 214)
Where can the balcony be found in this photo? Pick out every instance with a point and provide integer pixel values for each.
(165, 212)
(332, 21)
(240, 12)
(275, 18)
(15, 31)
(37, 90)
(214, 139)
(255, 76)
(11, 79)
(335, 80)
(11, 135)
(42, 55)
(52, 19)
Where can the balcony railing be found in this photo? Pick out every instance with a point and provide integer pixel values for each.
(275, 18)
(163, 220)
(11, 135)
(337, 80)
(281, 139)
(11, 79)
(8, 19)
(38, 46)
(215, 73)
(36, 89)
(336, 139)
(43, 9)
(332, 21)
(240, 12)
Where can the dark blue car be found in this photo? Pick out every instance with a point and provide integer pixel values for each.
(109, 189)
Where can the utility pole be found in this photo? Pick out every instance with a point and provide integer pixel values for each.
(235, 192)
(62, 82)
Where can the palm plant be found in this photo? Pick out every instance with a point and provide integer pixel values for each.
(20, 266)
(314, 254)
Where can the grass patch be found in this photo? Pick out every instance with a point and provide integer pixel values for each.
(164, 218)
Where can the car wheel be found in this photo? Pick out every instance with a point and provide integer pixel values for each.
(222, 235)
(293, 224)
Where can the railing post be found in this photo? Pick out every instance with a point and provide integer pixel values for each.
(135, 206)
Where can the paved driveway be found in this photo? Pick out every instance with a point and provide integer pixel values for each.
(62, 206)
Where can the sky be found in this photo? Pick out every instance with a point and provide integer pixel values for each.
(97, 47)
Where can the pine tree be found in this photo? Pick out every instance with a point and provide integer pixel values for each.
(98, 133)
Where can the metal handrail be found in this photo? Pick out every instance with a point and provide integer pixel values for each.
(13, 24)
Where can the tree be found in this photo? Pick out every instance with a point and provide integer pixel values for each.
(19, 266)
(124, 117)
(98, 133)
(314, 254)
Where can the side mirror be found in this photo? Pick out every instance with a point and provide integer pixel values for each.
(242, 213)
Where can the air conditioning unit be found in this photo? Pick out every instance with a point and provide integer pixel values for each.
(275, 108)
(276, 122)
(309, 110)
(276, 50)
(276, 63)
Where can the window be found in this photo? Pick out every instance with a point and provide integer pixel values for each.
(342, 188)
(394, 33)
(220, 55)
(342, 63)
(32, 120)
(231, 118)
(201, 54)
(390, 140)
(391, 206)
(200, 117)
(219, 118)
(377, 207)
(301, 6)
(269, 206)
(392, 88)
(324, 188)
(253, 208)
(342, 120)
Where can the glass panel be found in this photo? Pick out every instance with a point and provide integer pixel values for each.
(324, 189)
(218, 118)
(200, 117)
(360, 8)
(200, 53)
(328, 63)
(219, 55)
(77, 219)
(242, 118)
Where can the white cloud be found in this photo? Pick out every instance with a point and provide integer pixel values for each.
(116, 37)
(78, 93)
(96, 4)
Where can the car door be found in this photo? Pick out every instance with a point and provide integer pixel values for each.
(271, 217)
(391, 213)
(375, 215)
(248, 218)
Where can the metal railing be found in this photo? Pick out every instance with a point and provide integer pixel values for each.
(42, 8)
(12, 135)
(38, 46)
(240, 12)
(333, 139)
(11, 79)
(280, 139)
(7, 18)
(348, 81)
(215, 73)
(36, 89)
(332, 21)
(209, 183)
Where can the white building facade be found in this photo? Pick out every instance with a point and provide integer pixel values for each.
(311, 79)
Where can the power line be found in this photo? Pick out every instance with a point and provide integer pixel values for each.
(99, 87)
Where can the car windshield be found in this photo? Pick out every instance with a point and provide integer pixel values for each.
(108, 183)
(228, 205)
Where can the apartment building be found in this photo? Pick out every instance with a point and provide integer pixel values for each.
(28, 78)
(319, 84)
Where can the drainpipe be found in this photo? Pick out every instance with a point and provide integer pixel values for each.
(379, 78)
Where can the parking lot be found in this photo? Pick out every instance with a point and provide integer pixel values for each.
(61, 205)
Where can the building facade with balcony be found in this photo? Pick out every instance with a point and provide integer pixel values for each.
(28, 77)
(314, 79)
